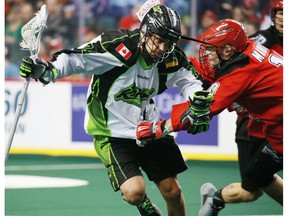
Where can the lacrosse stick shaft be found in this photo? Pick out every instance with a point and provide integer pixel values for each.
(30, 42)
(16, 118)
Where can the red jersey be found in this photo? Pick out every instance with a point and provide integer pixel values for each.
(253, 79)
(248, 129)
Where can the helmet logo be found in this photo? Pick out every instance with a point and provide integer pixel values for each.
(221, 26)
(152, 21)
(239, 23)
(157, 8)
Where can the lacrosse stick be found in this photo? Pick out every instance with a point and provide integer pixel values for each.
(31, 34)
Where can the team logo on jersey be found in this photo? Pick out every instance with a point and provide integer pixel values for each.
(133, 95)
(123, 51)
(214, 87)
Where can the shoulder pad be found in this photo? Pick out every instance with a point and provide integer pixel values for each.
(174, 62)
(123, 44)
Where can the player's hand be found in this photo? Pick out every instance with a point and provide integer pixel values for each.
(148, 131)
(33, 67)
(198, 112)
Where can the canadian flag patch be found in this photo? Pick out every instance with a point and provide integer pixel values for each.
(123, 51)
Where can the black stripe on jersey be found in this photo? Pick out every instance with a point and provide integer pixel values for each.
(111, 40)
(105, 81)
(240, 61)
(89, 48)
(178, 55)
(172, 64)
(66, 51)
(271, 35)
(162, 81)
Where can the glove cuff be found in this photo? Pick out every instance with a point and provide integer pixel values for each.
(165, 129)
(158, 128)
(49, 74)
(202, 99)
(44, 81)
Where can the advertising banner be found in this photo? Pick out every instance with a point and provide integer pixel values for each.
(45, 117)
(163, 102)
(52, 122)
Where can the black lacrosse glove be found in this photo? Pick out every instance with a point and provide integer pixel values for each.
(35, 68)
(198, 112)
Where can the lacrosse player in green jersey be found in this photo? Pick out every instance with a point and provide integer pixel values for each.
(128, 69)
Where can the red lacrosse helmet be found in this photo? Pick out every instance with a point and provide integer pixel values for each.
(218, 35)
(277, 5)
(227, 31)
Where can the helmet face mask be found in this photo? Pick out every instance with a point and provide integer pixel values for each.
(160, 30)
(209, 61)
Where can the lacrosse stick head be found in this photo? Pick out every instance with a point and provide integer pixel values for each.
(31, 32)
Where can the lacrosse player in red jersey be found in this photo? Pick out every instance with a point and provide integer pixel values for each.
(272, 38)
(128, 69)
(249, 133)
(249, 74)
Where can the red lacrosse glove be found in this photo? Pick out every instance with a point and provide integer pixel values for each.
(148, 131)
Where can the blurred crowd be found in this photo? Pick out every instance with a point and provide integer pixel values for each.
(73, 22)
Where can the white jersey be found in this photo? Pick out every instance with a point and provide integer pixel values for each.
(122, 86)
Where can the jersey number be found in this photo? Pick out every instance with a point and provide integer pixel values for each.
(275, 60)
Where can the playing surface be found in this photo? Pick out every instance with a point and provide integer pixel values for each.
(74, 186)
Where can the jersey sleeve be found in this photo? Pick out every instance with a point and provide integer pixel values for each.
(182, 73)
(177, 111)
(88, 59)
(228, 89)
(186, 82)
(102, 54)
